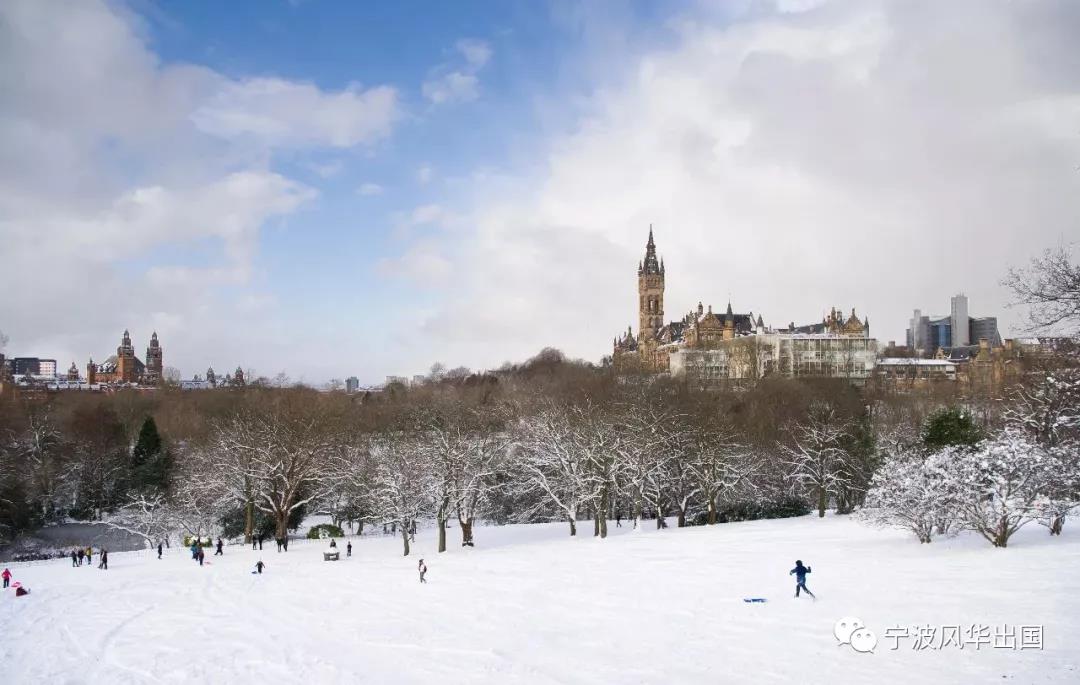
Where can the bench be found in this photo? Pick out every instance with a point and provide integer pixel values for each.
(331, 555)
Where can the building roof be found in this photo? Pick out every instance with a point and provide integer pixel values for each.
(913, 361)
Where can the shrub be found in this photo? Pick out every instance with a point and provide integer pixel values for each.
(332, 531)
(781, 508)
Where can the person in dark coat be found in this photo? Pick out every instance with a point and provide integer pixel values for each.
(254, 543)
(202, 556)
(800, 572)
(104, 563)
(82, 553)
(219, 553)
(333, 543)
(74, 558)
(260, 541)
(259, 566)
(348, 549)
(618, 519)
(159, 550)
(422, 568)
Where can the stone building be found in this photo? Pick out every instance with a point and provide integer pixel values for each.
(708, 346)
(125, 368)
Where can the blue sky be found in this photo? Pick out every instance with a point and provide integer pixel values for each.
(330, 188)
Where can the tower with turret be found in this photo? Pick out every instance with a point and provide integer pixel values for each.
(650, 292)
(154, 367)
(125, 360)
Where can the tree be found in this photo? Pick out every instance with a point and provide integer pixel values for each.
(913, 492)
(817, 457)
(550, 462)
(950, 426)
(1050, 287)
(401, 484)
(1000, 483)
(150, 461)
(717, 463)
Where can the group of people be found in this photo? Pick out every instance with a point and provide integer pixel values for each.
(80, 554)
(197, 552)
(19, 589)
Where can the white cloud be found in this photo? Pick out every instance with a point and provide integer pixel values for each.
(284, 113)
(876, 155)
(370, 189)
(448, 84)
(424, 174)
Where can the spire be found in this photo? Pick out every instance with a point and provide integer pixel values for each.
(729, 314)
(651, 266)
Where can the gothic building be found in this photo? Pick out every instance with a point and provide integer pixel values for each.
(125, 367)
(651, 349)
(708, 346)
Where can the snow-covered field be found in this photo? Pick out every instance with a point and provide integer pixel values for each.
(531, 605)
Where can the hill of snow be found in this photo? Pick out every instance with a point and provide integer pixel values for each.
(531, 605)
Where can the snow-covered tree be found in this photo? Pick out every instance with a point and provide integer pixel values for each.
(817, 456)
(549, 461)
(717, 463)
(644, 453)
(1000, 483)
(915, 492)
(401, 483)
(149, 516)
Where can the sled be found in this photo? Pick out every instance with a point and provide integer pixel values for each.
(755, 600)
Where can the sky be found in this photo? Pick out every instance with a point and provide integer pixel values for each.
(331, 189)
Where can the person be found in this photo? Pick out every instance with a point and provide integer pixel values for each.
(254, 542)
(89, 556)
(333, 543)
(159, 550)
(20, 591)
(82, 553)
(348, 550)
(618, 519)
(7, 577)
(259, 566)
(219, 553)
(194, 551)
(260, 541)
(74, 559)
(422, 568)
(800, 572)
(202, 555)
(104, 564)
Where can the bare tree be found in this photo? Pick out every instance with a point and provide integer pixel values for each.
(401, 484)
(816, 458)
(1050, 287)
(549, 461)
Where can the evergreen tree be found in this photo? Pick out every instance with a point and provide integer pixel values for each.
(950, 427)
(149, 460)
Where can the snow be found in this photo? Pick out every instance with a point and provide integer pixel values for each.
(531, 605)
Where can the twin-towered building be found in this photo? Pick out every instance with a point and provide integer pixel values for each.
(708, 346)
(124, 367)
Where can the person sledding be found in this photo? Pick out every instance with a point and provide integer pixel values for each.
(800, 572)
(259, 566)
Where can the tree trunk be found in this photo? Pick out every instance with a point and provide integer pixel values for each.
(405, 537)
(596, 522)
(822, 502)
(1056, 524)
(442, 534)
(573, 526)
(466, 532)
(249, 521)
(712, 511)
(682, 518)
(281, 530)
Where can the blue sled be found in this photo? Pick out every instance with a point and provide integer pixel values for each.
(753, 600)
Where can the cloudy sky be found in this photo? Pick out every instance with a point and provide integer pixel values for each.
(338, 188)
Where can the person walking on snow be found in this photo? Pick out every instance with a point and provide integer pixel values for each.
(202, 556)
(219, 553)
(259, 566)
(422, 568)
(260, 541)
(89, 556)
(348, 550)
(82, 553)
(800, 572)
(254, 542)
(7, 578)
(618, 519)
(159, 550)
(74, 559)
(104, 565)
